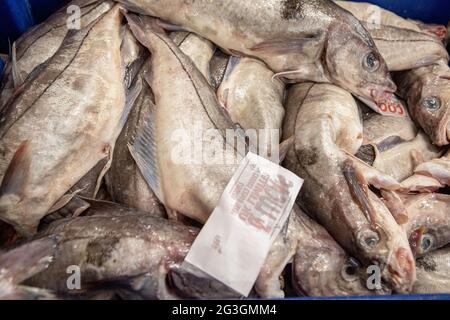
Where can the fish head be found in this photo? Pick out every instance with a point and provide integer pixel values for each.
(429, 103)
(354, 62)
(428, 227)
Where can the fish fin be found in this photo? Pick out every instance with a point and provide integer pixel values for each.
(170, 26)
(231, 65)
(420, 183)
(373, 176)
(17, 78)
(143, 149)
(16, 175)
(358, 189)
(285, 146)
(27, 260)
(285, 46)
(367, 153)
(139, 25)
(396, 206)
(131, 97)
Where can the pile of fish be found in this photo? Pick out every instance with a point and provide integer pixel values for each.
(89, 179)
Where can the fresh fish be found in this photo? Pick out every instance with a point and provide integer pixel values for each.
(391, 147)
(41, 43)
(254, 99)
(433, 272)
(218, 66)
(336, 183)
(64, 122)
(427, 92)
(428, 225)
(22, 263)
(437, 30)
(392, 34)
(131, 249)
(297, 39)
(429, 176)
(320, 267)
(187, 183)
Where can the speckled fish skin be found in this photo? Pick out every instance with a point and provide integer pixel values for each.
(433, 273)
(186, 188)
(288, 35)
(392, 33)
(335, 189)
(427, 92)
(41, 43)
(428, 224)
(218, 66)
(319, 264)
(395, 146)
(254, 100)
(114, 246)
(65, 121)
(429, 176)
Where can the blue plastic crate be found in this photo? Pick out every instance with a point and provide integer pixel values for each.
(17, 16)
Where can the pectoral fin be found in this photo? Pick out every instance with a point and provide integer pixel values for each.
(16, 176)
(285, 46)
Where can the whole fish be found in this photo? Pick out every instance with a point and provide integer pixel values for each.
(254, 100)
(64, 122)
(299, 40)
(336, 183)
(133, 249)
(40, 43)
(22, 263)
(429, 176)
(189, 182)
(433, 273)
(391, 147)
(129, 251)
(320, 267)
(392, 33)
(427, 92)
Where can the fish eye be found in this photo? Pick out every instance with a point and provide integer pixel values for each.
(431, 103)
(426, 243)
(349, 271)
(368, 239)
(371, 62)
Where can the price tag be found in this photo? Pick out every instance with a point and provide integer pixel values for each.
(254, 207)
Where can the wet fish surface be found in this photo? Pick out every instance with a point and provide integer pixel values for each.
(289, 36)
(336, 190)
(49, 137)
(433, 272)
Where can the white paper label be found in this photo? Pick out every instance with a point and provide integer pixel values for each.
(235, 241)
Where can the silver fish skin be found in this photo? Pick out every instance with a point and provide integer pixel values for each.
(197, 48)
(429, 176)
(254, 100)
(41, 42)
(117, 246)
(218, 66)
(299, 40)
(433, 272)
(335, 190)
(20, 264)
(65, 121)
(320, 267)
(184, 186)
(427, 92)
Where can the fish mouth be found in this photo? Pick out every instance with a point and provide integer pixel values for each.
(379, 93)
(401, 270)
